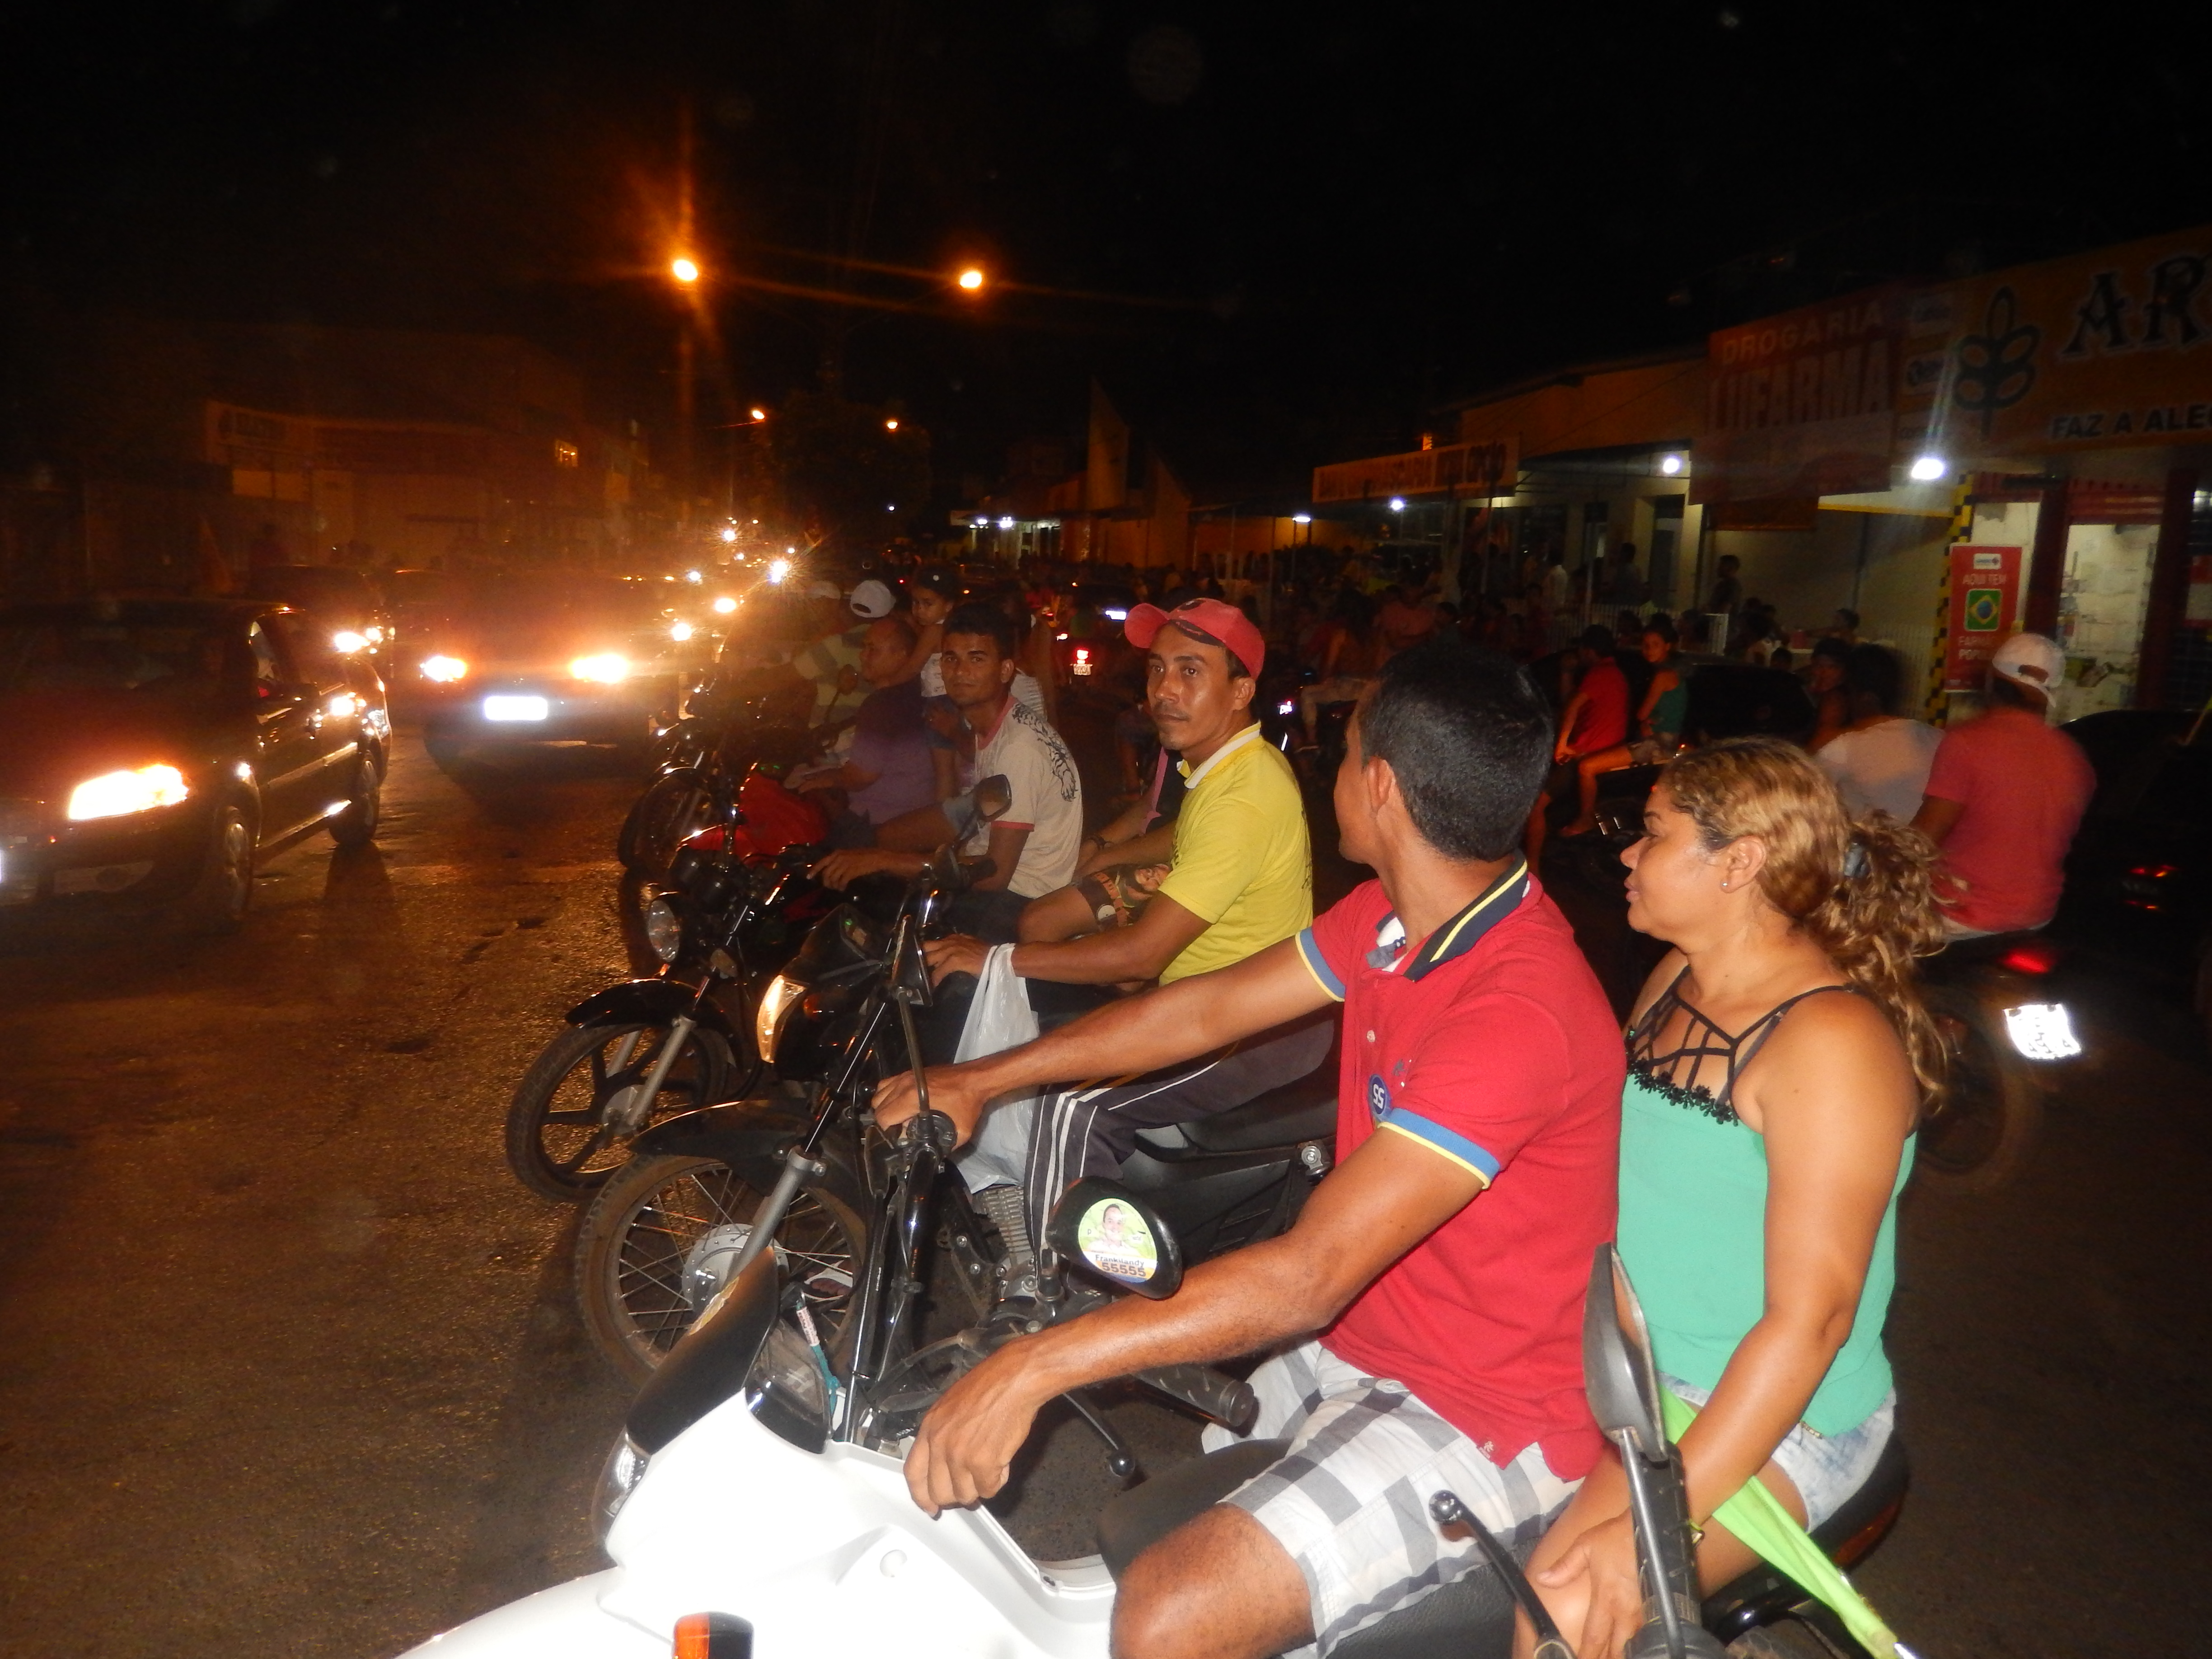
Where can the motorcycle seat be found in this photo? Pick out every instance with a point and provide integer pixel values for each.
(1471, 1616)
(1303, 1110)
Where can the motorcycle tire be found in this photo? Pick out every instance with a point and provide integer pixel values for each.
(558, 1143)
(674, 804)
(1986, 1127)
(646, 1235)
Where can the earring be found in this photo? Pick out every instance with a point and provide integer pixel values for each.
(1724, 887)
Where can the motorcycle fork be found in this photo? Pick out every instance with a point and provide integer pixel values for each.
(630, 1116)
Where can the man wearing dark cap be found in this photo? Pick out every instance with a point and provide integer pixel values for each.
(1240, 880)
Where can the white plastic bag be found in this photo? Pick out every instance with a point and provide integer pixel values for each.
(999, 1018)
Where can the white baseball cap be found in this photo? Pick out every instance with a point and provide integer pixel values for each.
(872, 600)
(2033, 661)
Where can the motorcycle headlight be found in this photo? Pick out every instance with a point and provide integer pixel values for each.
(783, 994)
(618, 1479)
(663, 929)
(116, 794)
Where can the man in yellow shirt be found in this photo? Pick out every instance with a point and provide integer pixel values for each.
(1240, 880)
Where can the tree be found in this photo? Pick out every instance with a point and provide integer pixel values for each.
(851, 470)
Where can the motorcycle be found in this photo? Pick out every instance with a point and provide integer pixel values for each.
(758, 1400)
(735, 746)
(2002, 1034)
(681, 1039)
(854, 1006)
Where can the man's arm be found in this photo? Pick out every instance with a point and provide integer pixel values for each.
(1384, 1199)
(1937, 817)
(1140, 1034)
(1565, 749)
(1005, 852)
(1111, 956)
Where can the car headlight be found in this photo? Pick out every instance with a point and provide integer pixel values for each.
(679, 631)
(607, 667)
(783, 995)
(663, 929)
(725, 605)
(375, 635)
(346, 641)
(116, 795)
(618, 1479)
(444, 670)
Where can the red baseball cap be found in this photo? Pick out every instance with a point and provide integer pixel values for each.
(1213, 620)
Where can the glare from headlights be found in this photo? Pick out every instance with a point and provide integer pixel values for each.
(346, 641)
(723, 605)
(693, 576)
(607, 667)
(680, 631)
(444, 670)
(342, 706)
(778, 569)
(375, 635)
(776, 1003)
(114, 794)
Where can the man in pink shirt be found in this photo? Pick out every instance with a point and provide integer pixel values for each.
(2004, 796)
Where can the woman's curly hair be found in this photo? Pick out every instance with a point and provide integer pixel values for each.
(1861, 891)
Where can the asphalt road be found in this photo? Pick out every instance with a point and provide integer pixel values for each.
(287, 1367)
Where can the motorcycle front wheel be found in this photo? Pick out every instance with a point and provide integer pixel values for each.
(658, 1240)
(571, 1121)
(1985, 1129)
(674, 805)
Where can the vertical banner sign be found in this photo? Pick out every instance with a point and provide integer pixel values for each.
(1984, 599)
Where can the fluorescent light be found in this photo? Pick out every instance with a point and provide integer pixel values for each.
(1670, 464)
(1929, 468)
(1397, 503)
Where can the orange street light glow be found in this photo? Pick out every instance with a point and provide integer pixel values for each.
(971, 279)
(759, 415)
(684, 271)
(890, 426)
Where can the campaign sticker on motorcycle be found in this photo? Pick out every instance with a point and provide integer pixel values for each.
(1114, 1239)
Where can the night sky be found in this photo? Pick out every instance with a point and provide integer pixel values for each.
(1341, 215)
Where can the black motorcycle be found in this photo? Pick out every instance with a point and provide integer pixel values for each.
(854, 1007)
(644, 1050)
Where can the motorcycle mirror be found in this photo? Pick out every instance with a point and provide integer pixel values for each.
(1103, 1226)
(1618, 1369)
(993, 796)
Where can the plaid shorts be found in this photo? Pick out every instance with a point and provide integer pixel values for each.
(1349, 1502)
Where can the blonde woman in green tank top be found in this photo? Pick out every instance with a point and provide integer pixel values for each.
(1778, 1058)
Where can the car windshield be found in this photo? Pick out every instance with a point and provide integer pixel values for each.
(342, 595)
(156, 655)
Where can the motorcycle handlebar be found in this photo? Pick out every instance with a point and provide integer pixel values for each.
(1208, 1392)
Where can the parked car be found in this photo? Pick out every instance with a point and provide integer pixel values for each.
(151, 748)
(2139, 878)
(350, 610)
(547, 657)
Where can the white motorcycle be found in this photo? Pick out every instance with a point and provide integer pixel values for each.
(757, 1497)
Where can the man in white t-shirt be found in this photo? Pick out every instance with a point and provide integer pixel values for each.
(1032, 845)
(1879, 760)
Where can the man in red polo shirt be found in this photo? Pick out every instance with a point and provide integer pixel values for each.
(1426, 1308)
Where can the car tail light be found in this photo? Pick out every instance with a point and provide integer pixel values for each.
(2031, 956)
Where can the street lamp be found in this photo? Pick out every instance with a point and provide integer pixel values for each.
(1300, 517)
(1397, 503)
(1929, 468)
(757, 415)
(683, 270)
(971, 279)
(891, 425)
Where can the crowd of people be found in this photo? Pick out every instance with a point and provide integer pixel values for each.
(1746, 1145)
